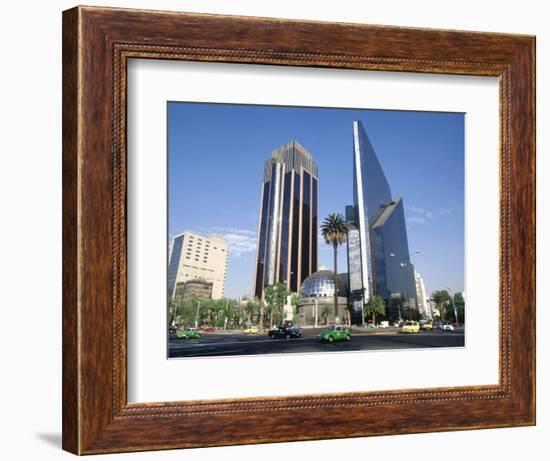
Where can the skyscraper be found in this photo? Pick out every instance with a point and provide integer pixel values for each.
(193, 256)
(288, 221)
(423, 307)
(381, 265)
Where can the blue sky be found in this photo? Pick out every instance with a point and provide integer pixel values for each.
(216, 154)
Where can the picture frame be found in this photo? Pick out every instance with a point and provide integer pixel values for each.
(97, 44)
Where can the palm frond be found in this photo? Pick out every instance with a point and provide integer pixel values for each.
(334, 229)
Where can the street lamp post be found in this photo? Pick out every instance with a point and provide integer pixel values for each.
(363, 309)
(316, 311)
(399, 312)
(454, 305)
(403, 264)
(197, 316)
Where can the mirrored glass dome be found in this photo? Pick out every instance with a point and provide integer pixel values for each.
(319, 284)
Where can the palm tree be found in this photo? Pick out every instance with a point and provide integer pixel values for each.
(375, 305)
(440, 298)
(335, 232)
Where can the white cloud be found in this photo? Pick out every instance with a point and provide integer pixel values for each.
(417, 210)
(239, 240)
(231, 230)
(422, 215)
(239, 244)
(417, 220)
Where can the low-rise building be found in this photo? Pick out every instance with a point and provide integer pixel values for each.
(194, 288)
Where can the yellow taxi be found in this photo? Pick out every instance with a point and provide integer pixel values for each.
(410, 326)
(251, 331)
(428, 326)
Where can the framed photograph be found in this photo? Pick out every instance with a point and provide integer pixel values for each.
(282, 230)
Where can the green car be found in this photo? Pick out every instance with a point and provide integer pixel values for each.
(188, 333)
(335, 333)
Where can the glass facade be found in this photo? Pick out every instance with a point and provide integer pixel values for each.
(306, 224)
(378, 253)
(173, 264)
(273, 221)
(393, 270)
(314, 222)
(375, 188)
(262, 237)
(295, 233)
(287, 236)
(285, 228)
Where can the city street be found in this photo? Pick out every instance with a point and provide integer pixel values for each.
(227, 344)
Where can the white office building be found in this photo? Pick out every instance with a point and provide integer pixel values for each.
(423, 304)
(193, 256)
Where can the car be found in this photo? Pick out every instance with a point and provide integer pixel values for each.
(428, 326)
(335, 333)
(188, 333)
(384, 324)
(208, 329)
(285, 331)
(446, 327)
(410, 326)
(172, 330)
(251, 331)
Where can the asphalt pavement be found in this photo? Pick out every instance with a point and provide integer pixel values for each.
(231, 344)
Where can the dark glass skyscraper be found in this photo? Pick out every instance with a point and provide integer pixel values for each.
(378, 250)
(288, 221)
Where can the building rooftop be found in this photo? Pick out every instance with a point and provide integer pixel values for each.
(294, 156)
(214, 237)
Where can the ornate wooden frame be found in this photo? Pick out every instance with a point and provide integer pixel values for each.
(97, 43)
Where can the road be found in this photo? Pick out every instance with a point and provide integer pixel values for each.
(224, 344)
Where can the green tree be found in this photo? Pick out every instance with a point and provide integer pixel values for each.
(186, 312)
(335, 232)
(458, 301)
(172, 312)
(262, 314)
(251, 308)
(441, 298)
(269, 298)
(282, 295)
(228, 311)
(294, 303)
(275, 298)
(325, 314)
(375, 306)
